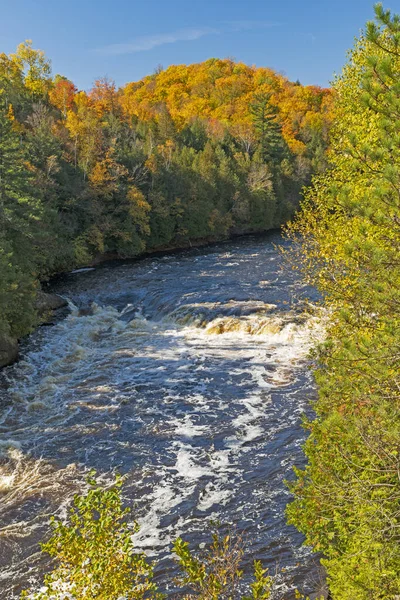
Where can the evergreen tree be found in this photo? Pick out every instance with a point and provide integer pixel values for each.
(348, 241)
(266, 124)
(19, 213)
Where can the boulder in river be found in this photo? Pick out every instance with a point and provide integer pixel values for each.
(48, 302)
(45, 305)
(8, 349)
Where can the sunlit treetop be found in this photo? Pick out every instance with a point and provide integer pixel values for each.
(223, 90)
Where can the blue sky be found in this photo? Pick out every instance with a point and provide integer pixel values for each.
(127, 39)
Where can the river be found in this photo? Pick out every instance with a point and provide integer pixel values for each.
(188, 373)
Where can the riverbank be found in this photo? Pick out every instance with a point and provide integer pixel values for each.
(47, 303)
(177, 248)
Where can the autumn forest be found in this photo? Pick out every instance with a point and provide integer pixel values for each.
(254, 375)
(189, 154)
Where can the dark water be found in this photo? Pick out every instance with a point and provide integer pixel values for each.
(188, 373)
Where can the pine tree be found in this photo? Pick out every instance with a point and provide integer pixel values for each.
(266, 123)
(348, 243)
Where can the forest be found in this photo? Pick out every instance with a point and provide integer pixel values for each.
(189, 154)
(199, 153)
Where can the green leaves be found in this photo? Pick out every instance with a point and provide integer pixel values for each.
(262, 586)
(347, 243)
(95, 558)
(215, 573)
(94, 550)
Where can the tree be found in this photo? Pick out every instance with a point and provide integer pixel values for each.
(96, 559)
(62, 94)
(19, 214)
(95, 551)
(268, 129)
(36, 68)
(347, 242)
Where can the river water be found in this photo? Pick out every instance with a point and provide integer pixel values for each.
(188, 373)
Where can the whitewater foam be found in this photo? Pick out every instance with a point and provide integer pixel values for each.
(191, 380)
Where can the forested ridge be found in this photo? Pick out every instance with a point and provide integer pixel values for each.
(205, 151)
(190, 153)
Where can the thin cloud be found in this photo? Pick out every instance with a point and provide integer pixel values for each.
(148, 42)
(248, 25)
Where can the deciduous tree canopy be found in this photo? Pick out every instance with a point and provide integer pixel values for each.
(191, 153)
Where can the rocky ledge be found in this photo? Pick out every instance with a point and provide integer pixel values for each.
(8, 349)
(45, 305)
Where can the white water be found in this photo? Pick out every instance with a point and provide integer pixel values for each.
(188, 374)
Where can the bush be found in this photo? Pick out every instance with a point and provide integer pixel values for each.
(95, 558)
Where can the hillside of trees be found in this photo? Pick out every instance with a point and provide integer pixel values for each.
(202, 152)
(192, 153)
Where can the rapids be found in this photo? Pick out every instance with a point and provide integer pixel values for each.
(187, 372)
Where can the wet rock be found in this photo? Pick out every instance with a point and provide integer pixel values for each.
(48, 302)
(8, 350)
(86, 311)
(129, 314)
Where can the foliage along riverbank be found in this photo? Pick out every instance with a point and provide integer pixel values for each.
(348, 237)
(95, 558)
(205, 150)
(190, 153)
